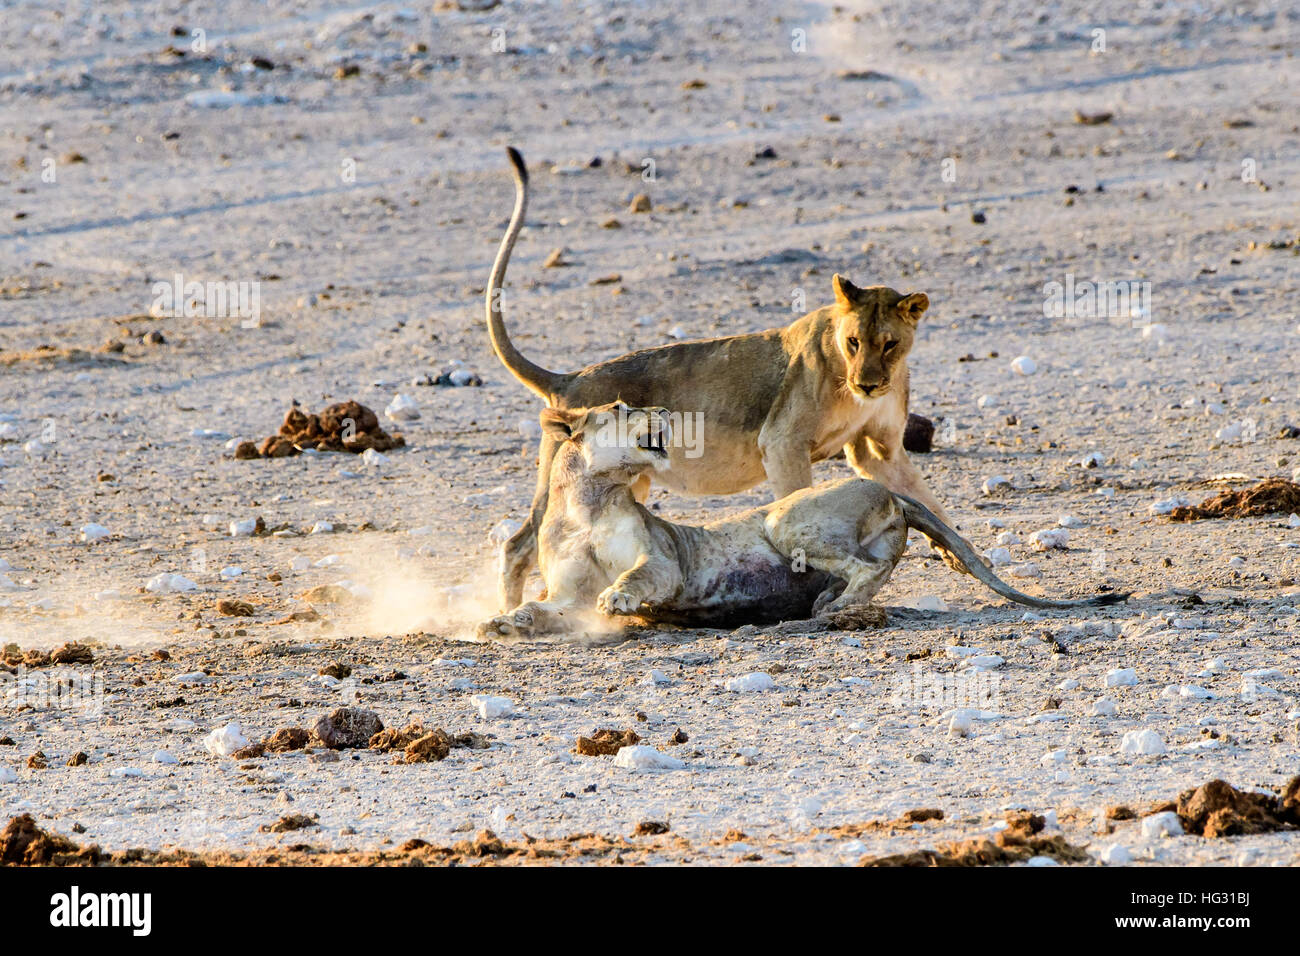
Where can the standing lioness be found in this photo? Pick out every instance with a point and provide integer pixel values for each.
(772, 403)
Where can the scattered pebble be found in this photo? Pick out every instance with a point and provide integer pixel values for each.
(1143, 743)
(1049, 539)
(1164, 824)
(995, 483)
(757, 681)
(403, 408)
(169, 583)
(490, 707)
(224, 741)
(1122, 677)
(641, 757)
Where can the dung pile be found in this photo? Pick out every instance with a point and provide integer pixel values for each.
(345, 426)
(1218, 809)
(1271, 496)
(1020, 841)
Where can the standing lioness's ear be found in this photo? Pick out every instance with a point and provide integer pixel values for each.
(560, 423)
(913, 306)
(846, 293)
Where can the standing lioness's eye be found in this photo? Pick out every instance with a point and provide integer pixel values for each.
(887, 347)
(853, 346)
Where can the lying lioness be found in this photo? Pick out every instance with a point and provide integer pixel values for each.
(771, 403)
(818, 550)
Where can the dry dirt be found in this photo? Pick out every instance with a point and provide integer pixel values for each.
(348, 160)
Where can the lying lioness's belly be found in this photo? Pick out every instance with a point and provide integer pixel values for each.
(733, 574)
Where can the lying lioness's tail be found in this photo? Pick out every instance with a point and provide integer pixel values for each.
(538, 379)
(924, 520)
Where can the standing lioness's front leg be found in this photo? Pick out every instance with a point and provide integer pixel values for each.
(894, 469)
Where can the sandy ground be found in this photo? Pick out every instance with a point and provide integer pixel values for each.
(366, 205)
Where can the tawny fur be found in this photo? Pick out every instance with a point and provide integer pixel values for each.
(773, 402)
(815, 551)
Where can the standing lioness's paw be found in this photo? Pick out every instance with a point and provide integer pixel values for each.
(612, 601)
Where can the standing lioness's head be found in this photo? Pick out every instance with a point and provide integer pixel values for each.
(873, 332)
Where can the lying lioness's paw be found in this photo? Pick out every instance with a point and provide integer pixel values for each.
(515, 624)
(612, 601)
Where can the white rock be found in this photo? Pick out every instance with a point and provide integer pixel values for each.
(94, 532)
(7, 584)
(242, 529)
(1024, 365)
(403, 408)
(490, 707)
(168, 583)
(1236, 562)
(373, 459)
(163, 756)
(655, 678)
(1122, 677)
(998, 557)
(963, 719)
(7, 775)
(1041, 861)
(1165, 505)
(994, 482)
(300, 563)
(1053, 758)
(231, 572)
(1008, 538)
(1116, 855)
(985, 662)
(1069, 521)
(986, 401)
(1293, 521)
(530, 428)
(1093, 459)
(1049, 538)
(757, 681)
(1026, 569)
(321, 527)
(1103, 707)
(1068, 684)
(224, 741)
(504, 530)
(926, 602)
(1142, 742)
(126, 772)
(641, 757)
(1161, 825)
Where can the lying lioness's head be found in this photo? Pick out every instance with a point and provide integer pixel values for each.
(873, 331)
(613, 437)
